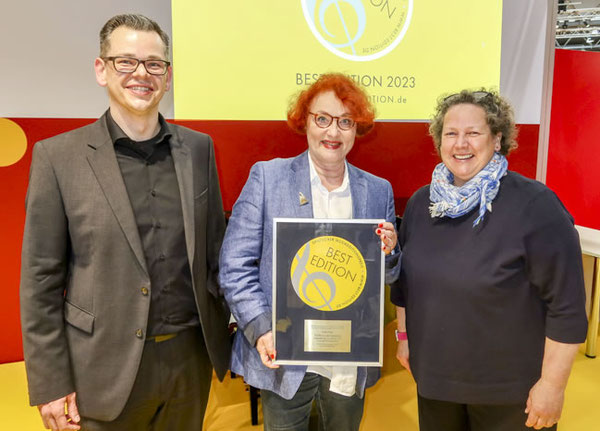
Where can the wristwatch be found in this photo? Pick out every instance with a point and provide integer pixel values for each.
(400, 335)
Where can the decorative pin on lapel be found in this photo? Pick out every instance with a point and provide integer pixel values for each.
(303, 200)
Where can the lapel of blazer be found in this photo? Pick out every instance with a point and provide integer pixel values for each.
(182, 159)
(358, 189)
(103, 161)
(301, 192)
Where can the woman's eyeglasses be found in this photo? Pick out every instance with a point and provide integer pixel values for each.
(477, 95)
(483, 97)
(324, 121)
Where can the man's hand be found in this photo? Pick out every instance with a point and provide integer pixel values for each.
(264, 346)
(54, 416)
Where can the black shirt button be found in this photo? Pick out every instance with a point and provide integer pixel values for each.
(153, 193)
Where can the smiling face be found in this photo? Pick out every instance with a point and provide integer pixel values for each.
(137, 93)
(328, 147)
(467, 142)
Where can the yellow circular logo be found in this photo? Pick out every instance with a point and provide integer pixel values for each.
(358, 30)
(14, 142)
(328, 273)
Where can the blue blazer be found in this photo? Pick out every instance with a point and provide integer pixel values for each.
(246, 260)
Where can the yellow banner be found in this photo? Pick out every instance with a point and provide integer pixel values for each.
(243, 60)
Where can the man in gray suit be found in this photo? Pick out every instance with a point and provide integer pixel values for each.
(121, 312)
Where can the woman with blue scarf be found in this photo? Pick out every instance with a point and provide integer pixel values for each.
(490, 300)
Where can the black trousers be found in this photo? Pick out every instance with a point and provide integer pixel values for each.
(437, 415)
(171, 388)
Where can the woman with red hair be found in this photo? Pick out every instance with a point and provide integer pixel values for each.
(319, 183)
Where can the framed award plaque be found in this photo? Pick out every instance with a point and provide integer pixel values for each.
(328, 278)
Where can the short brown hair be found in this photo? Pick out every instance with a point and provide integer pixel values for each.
(498, 112)
(133, 21)
(345, 89)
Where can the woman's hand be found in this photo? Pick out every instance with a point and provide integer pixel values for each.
(544, 405)
(387, 233)
(264, 346)
(546, 397)
(403, 353)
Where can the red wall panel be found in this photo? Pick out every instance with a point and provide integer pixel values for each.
(400, 152)
(13, 186)
(573, 152)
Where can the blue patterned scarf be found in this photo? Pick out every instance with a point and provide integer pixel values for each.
(452, 201)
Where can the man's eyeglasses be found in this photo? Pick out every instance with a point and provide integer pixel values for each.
(324, 121)
(130, 65)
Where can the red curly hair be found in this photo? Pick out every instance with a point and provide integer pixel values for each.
(351, 95)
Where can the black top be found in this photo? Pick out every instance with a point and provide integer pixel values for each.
(481, 300)
(151, 182)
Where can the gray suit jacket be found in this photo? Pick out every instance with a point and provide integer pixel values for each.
(83, 312)
(272, 190)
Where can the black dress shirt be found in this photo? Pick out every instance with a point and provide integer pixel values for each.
(151, 182)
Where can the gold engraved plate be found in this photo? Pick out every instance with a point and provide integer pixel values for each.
(327, 336)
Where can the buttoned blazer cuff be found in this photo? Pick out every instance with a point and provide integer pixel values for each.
(257, 327)
(48, 394)
(392, 266)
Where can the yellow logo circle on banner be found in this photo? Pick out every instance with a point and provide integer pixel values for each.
(358, 30)
(14, 142)
(328, 273)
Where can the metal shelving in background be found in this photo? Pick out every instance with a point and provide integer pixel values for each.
(578, 26)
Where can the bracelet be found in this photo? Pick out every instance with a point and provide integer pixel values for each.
(400, 335)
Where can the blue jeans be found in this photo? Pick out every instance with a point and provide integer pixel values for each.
(336, 412)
